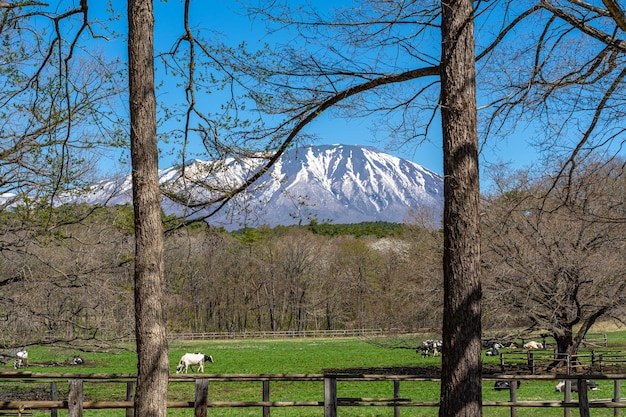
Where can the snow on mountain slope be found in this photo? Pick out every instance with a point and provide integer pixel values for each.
(351, 184)
(327, 183)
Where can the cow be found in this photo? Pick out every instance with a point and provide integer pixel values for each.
(189, 359)
(533, 345)
(502, 385)
(430, 347)
(591, 386)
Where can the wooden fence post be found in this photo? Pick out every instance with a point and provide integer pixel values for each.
(266, 397)
(617, 395)
(202, 395)
(396, 396)
(330, 396)
(75, 399)
(130, 396)
(567, 412)
(583, 398)
(513, 397)
(601, 362)
(54, 396)
(531, 362)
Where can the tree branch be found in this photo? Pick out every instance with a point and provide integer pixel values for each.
(306, 117)
(584, 27)
(616, 13)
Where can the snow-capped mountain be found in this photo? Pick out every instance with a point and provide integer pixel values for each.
(350, 184)
(327, 183)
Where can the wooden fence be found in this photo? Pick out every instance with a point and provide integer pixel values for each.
(75, 402)
(280, 334)
(595, 340)
(537, 361)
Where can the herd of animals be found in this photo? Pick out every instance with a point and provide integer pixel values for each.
(430, 347)
(427, 348)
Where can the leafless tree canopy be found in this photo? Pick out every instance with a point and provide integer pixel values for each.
(55, 102)
(557, 263)
(554, 70)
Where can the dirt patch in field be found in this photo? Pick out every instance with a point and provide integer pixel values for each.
(9, 393)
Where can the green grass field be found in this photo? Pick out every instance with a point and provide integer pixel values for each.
(287, 356)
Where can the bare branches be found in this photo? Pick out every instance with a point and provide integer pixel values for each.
(21, 4)
(616, 12)
(563, 78)
(564, 250)
(271, 96)
(583, 26)
(55, 101)
(571, 161)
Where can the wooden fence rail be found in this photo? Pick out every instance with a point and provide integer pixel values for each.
(282, 334)
(76, 403)
(537, 361)
(595, 340)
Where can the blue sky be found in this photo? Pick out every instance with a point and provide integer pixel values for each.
(225, 17)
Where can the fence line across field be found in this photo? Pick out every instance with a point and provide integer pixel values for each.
(279, 334)
(75, 403)
(590, 341)
(540, 360)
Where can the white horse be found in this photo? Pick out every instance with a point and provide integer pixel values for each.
(189, 359)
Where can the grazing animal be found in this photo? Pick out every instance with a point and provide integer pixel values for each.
(493, 352)
(189, 359)
(498, 344)
(533, 345)
(77, 360)
(502, 385)
(591, 386)
(21, 359)
(430, 347)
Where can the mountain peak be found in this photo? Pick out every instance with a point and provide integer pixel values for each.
(324, 183)
(336, 184)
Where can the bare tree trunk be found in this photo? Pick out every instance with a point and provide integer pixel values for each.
(461, 363)
(153, 365)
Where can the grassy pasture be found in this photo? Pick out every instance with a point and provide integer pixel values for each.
(288, 356)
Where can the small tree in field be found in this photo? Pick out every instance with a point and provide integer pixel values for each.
(556, 260)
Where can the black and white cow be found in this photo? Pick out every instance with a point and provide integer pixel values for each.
(591, 386)
(502, 385)
(430, 347)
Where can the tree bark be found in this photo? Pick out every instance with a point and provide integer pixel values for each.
(153, 365)
(461, 355)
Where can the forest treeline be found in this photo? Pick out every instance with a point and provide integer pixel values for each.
(76, 280)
